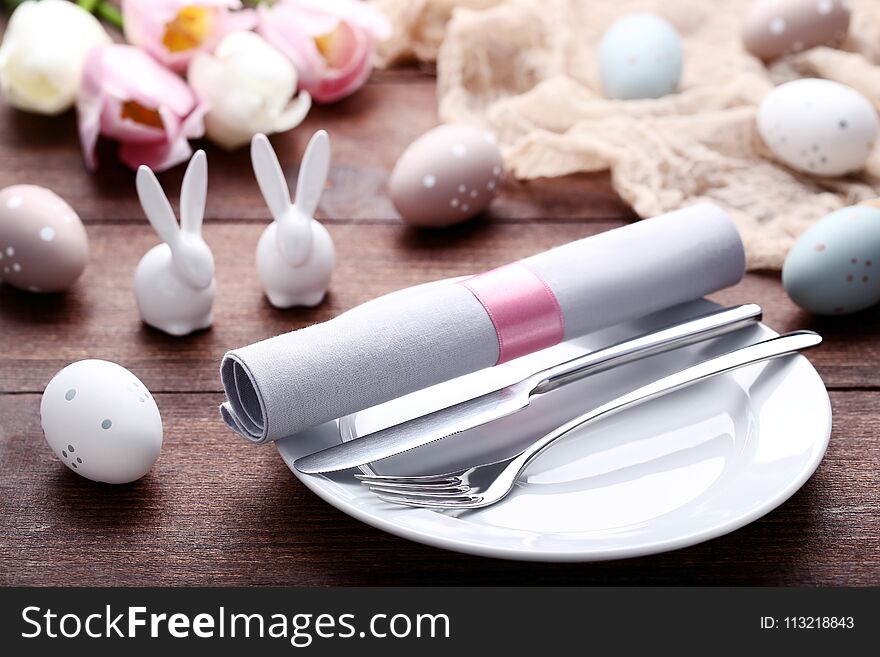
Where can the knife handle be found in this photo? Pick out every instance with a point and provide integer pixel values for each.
(696, 330)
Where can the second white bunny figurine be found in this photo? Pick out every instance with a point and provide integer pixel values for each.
(295, 254)
(174, 282)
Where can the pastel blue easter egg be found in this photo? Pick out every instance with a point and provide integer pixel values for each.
(834, 268)
(640, 57)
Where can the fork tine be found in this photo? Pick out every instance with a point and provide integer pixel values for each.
(404, 488)
(417, 493)
(435, 493)
(407, 501)
(425, 480)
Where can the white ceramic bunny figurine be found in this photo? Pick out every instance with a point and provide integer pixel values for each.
(295, 255)
(174, 282)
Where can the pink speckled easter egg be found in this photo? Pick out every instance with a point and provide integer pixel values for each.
(446, 176)
(43, 243)
(776, 27)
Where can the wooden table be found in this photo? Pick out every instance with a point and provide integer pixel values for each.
(218, 511)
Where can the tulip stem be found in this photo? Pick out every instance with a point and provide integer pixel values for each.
(103, 10)
(110, 14)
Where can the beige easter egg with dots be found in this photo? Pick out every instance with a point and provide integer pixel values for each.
(777, 27)
(43, 243)
(448, 175)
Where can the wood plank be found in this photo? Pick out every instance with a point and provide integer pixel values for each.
(99, 319)
(368, 132)
(218, 511)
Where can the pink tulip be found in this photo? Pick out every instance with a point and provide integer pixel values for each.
(329, 43)
(127, 96)
(174, 31)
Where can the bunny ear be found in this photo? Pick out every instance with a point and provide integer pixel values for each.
(194, 193)
(313, 173)
(270, 177)
(156, 205)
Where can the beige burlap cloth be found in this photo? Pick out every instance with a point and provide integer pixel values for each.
(528, 70)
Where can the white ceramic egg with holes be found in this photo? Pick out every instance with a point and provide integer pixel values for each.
(641, 56)
(818, 126)
(448, 175)
(101, 421)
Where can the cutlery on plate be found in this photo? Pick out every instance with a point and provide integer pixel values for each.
(487, 484)
(509, 399)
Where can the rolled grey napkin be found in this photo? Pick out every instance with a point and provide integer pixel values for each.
(426, 335)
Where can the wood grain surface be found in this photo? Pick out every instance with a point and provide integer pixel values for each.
(216, 510)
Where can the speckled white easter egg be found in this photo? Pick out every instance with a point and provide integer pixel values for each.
(640, 57)
(776, 27)
(448, 175)
(818, 126)
(43, 243)
(101, 421)
(834, 268)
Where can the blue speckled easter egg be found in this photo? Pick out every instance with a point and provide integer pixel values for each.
(640, 57)
(834, 268)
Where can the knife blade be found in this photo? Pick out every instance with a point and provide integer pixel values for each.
(504, 401)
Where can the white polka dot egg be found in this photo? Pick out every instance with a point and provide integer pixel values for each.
(776, 27)
(640, 56)
(43, 243)
(818, 126)
(446, 176)
(101, 421)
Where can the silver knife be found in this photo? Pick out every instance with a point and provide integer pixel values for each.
(509, 399)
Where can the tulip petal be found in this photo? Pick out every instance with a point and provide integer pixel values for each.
(129, 73)
(337, 83)
(313, 21)
(295, 113)
(239, 21)
(43, 53)
(146, 23)
(117, 122)
(89, 125)
(128, 96)
(193, 126)
(159, 157)
(248, 84)
(330, 44)
(283, 26)
(354, 12)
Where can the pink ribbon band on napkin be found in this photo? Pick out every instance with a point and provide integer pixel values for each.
(522, 307)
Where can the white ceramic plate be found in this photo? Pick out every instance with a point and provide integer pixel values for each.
(682, 469)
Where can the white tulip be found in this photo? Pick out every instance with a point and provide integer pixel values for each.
(42, 54)
(248, 85)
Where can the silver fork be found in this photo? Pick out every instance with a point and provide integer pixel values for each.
(483, 485)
